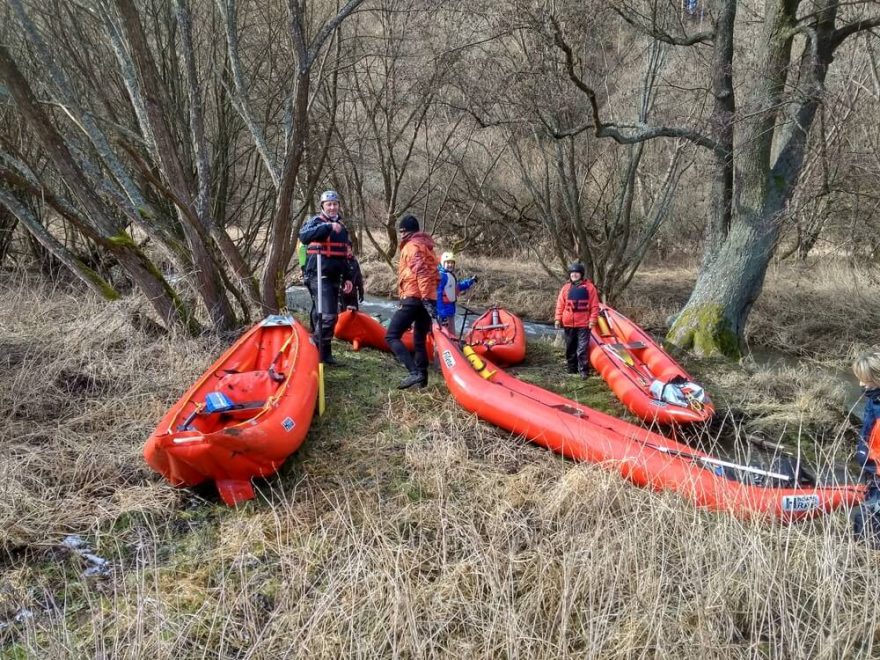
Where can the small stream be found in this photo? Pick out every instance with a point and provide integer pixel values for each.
(726, 444)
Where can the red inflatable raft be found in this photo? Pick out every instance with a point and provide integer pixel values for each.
(246, 414)
(645, 458)
(499, 335)
(363, 330)
(642, 375)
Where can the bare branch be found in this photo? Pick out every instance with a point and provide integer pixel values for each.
(840, 34)
(227, 10)
(76, 265)
(704, 37)
(622, 133)
(327, 29)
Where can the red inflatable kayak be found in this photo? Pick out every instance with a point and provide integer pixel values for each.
(363, 330)
(642, 375)
(246, 414)
(645, 458)
(499, 335)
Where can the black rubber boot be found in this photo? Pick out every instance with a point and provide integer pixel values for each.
(415, 378)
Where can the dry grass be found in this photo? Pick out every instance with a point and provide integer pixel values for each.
(404, 528)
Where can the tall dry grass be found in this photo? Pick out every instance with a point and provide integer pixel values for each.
(430, 535)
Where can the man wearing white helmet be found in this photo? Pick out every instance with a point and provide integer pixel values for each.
(326, 235)
(448, 289)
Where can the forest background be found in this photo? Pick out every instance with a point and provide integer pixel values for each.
(715, 166)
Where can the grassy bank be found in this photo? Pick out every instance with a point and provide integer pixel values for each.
(404, 527)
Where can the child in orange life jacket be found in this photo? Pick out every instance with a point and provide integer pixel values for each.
(577, 309)
(448, 289)
(866, 517)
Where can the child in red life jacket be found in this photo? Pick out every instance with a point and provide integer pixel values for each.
(866, 517)
(577, 309)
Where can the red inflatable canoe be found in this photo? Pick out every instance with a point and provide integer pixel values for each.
(645, 458)
(246, 414)
(499, 335)
(363, 330)
(642, 375)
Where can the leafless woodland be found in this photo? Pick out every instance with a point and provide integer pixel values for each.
(176, 147)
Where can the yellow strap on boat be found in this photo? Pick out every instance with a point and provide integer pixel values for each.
(477, 363)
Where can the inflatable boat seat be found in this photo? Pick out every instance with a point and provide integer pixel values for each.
(249, 389)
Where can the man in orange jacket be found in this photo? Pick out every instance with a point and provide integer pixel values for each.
(417, 280)
(577, 309)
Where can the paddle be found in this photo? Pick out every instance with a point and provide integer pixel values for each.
(621, 350)
(320, 327)
(575, 412)
(467, 311)
(716, 461)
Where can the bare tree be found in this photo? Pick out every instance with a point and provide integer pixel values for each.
(753, 184)
(100, 225)
(284, 170)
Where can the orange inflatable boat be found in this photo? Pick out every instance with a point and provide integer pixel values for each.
(246, 414)
(363, 330)
(642, 375)
(499, 335)
(645, 458)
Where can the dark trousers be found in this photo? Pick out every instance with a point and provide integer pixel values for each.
(329, 313)
(349, 301)
(410, 314)
(866, 517)
(577, 344)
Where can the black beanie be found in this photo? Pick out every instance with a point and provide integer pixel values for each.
(408, 223)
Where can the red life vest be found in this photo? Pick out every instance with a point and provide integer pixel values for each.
(576, 304)
(874, 443)
(328, 248)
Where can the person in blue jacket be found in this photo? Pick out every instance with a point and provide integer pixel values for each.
(448, 289)
(866, 517)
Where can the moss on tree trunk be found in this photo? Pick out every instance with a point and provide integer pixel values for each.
(705, 330)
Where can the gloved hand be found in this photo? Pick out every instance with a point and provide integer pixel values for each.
(475, 279)
(430, 307)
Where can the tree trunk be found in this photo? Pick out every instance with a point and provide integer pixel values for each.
(106, 231)
(714, 318)
(76, 266)
(202, 161)
(280, 236)
(155, 101)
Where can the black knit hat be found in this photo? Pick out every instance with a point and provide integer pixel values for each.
(408, 223)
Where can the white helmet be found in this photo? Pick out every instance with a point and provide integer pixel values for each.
(447, 256)
(329, 196)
